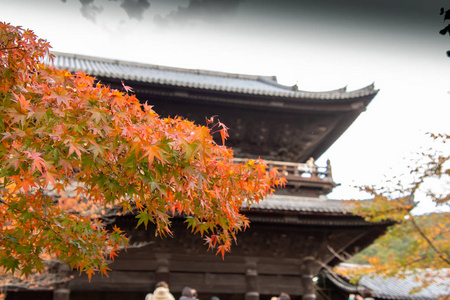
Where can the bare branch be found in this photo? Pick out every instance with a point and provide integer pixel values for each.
(430, 243)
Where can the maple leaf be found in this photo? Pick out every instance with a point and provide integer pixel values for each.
(49, 178)
(223, 131)
(104, 269)
(38, 162)
(152, 151)
(210, 120)
(112, 254)
(24, 103)
(127, 88)
(6, 135)
(52, 115)
(222, 249)
(61, 99)
(89, 273)
(143, 217)
(77, 148)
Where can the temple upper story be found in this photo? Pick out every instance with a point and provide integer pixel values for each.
(281, 124)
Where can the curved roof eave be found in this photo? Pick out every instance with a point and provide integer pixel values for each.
(200, 79)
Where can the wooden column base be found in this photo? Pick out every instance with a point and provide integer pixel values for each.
(61, 294)
(308, 286)
(309, 297)
(252, 296)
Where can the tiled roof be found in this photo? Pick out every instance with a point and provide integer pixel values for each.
(301, 204)
(199, 79)
(399, 289)
(395, 288)
(272, 203)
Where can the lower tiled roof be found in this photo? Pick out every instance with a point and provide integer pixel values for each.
(301, 204)
(399, 288)
(272, 202)
(396, 288)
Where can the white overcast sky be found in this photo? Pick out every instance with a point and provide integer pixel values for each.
(319, 45)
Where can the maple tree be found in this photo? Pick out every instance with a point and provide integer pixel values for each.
(61, 131)
(424, 237)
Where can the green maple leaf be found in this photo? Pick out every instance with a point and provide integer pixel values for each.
(143, 217)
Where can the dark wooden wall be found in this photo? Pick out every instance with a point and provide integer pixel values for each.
(269, 258)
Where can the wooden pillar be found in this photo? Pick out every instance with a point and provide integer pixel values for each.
(308, 287)
(62, 291)
(162, 272)
(310, 266)
(251, 278)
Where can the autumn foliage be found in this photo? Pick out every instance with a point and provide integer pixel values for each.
(422, 241)
(61, 130)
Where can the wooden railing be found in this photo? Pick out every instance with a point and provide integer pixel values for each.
(299, 171)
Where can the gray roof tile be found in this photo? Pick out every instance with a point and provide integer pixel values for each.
(399, 288)
(301, 204)
(271, 203)
(200, 79)
(395, 288)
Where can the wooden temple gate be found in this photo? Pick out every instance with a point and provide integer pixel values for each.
(293, 234)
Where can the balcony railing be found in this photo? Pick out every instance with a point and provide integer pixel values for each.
(300, 170)
(301, 176)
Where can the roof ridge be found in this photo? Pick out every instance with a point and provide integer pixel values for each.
(168, 68)
(273, 81)
(368, 89)
(335, 91)
(202, 79)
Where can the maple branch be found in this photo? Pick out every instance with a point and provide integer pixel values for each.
(430, 243)
(52, 225)
(421, 258)
(436, 166)
(136, 245)
(107, 164)
(109, 219)
(9, 48)
(42, 281)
